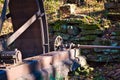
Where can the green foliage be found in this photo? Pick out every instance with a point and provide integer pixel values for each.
(57, 25)
(86, 70)
(1, 1)
(51, 6)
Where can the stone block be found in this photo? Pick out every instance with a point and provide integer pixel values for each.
(67, 9)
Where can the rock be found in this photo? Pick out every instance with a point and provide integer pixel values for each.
(114, 17)
(67, 9)
(73, 30)
(109, 5)
(115, 74)
(82, 61)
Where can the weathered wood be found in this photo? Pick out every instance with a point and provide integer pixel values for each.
(15, 35)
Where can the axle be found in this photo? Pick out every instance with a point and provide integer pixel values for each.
(90, 46)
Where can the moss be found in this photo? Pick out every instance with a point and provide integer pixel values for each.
(75, 21)
(64, 36)
(102, 42)
(83, 42)
(88, 26)
(57, 25)
(91, 32)
(83, 25)
(51, 6)
(88, 37)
